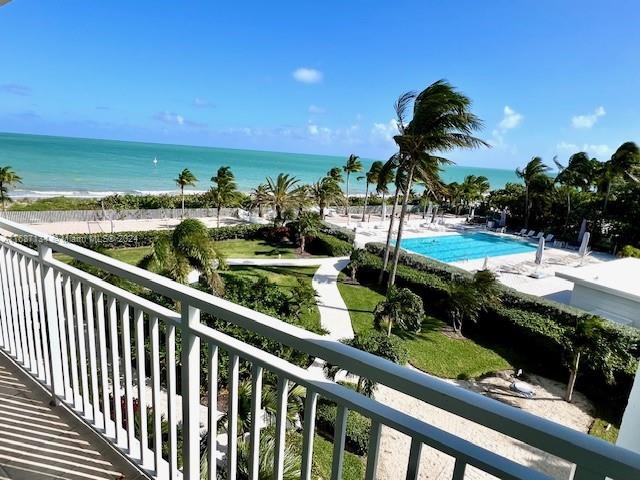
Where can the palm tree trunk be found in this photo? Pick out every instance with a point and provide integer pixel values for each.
(403, 211)
(387, 247)
(572, 378)
(182, 192)
(383, 213)
(346, 211)
(606, 198)
(366, 194)
(218, 219)
(321, 213)
(389, 328)
(526, 207)
(302, 243)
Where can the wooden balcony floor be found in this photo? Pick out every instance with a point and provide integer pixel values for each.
(38, 441)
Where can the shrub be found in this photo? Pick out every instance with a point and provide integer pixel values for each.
(341, 233)
(325, 244)
(358, 426)
(629, 251)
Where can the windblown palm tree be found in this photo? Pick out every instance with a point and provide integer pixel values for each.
(531, 174)
(259, 198)
(280, 193)
(189, 247)
(371, 178)
(224, 192)
(8, 178)
(392, 168)
(624, 163)
(353, 165)
(336, 174)
(581, 171)
(386, 176)
(185, 179)
(326, 192)
(441, 121)
(401, 308)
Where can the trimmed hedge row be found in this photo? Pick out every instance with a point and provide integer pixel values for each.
(358, 426)
(538, 330)
(326, 244)
(341, 233)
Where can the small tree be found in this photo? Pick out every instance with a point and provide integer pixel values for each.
(357, 258)
(402, 308)
(307, 225)
(185, 178)
(469, 298)
(8, 178)
(303, 298)
(224, 191)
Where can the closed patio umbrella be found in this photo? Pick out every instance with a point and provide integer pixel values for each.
(503, 218)
(540, 251)
(429, 210)
(584, 246)
(583, 229)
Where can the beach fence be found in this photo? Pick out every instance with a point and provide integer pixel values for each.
(33, 217)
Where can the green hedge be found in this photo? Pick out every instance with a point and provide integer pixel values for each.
(538, 330)
(358, 426)
(326, 244)
(341, 233)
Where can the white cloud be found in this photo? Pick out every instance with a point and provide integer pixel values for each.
(511, 119)
(314, 109)
(597, 150)
(588, 121)
(171, 118)
(202, 103)
(385, 131)
(307, 75)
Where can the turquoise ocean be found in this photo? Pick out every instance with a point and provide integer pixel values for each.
(53, 166)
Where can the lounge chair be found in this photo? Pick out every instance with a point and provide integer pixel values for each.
(539, 235)
(549, 238)
(531, 233)
(521, 232)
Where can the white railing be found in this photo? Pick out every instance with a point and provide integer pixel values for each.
(75, 334)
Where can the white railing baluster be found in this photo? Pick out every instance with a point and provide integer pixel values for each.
(12, 311)
(73, 354)
(212, 443)
(85, 404)
(308, 434)
(128, 375)
(171, 400)
(35, 319)
(459, 469)
(93, 367)
(232, 417)
(339, 435)
(256, 420)
(115, 369)
(28, 318)
(64, 349)
(281, 427)
(48, 290)
(6, 294)
(42, 320)
(155, 393)
(4, 318)
(142, 382)
(104, 366)
(373, 451)
(16, 295)
(190, 393)
(413, 467)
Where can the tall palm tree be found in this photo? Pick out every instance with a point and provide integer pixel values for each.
(581, 171)
(441, 121)
(224, 192)
(393, 167)
(189, 247)
(624, 163)
(8, 178)
(385, 177)
(326, 192)
(280, 193)
(353, 165)
(371, 178)
(531, 174)
(185, 179)
(336, 174)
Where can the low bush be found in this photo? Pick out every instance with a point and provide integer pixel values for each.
(341, 233)
(629, 251)
(358, 426)
(325, 244)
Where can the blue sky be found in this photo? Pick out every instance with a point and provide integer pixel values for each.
(547, 77)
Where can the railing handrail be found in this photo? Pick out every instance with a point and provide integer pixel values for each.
(536, 431)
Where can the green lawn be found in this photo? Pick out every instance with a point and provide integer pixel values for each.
(254, 248)
(353, 468)
(430, 350)
(285, 278)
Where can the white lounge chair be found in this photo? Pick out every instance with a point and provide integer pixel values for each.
(521, 232)
(549, 238)
(530, 233)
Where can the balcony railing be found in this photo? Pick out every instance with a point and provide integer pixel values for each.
(74, 333)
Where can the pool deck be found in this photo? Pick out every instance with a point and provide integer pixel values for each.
(514, 270)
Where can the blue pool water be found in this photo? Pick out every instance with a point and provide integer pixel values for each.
(467, 246)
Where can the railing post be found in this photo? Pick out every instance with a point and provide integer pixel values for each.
(190, 393)
(50, 305)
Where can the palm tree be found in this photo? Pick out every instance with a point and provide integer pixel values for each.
(392, 168)
(307, 225)
(402, 308)
(8, 178)
(280, 193)
(188, 248)
(469, 298)
(186, 178)
(371, 178)
(581, 171)
(353, 165)
(531, 174)
(336, 174)
(385, 177)
(625, 162)
(224, 192)
(441, 121)
(326, 192)
(258, 198)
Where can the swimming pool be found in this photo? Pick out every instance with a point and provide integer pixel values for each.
(466, 246)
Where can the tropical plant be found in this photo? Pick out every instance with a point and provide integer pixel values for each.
(189, 247)
(394, 164)
(441, 121)
(326, 192)
(371, 178)
(467, 299)
(534, 176)
(581, 171)
(336, 174)
(224, 191)
(8, 178)
(401, 308)
(624, 163)
(307, 225)
(280, 194)
(386, 176)
(266, 456)
(185, 179)
(259, 198)
(353, 165)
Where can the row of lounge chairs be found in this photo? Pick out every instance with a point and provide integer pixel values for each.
(535, 236)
